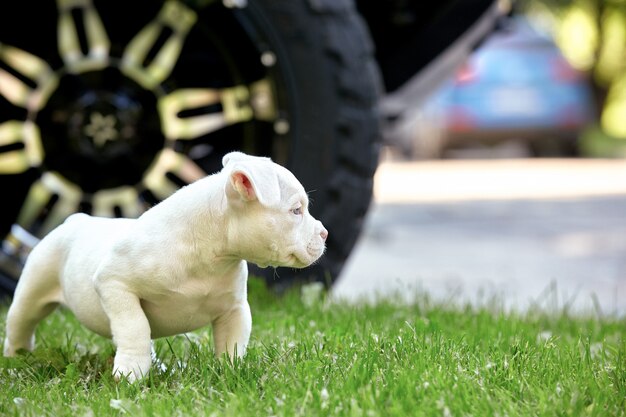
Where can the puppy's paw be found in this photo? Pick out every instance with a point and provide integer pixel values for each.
(13, 349)
(8, 350)
(131, 367)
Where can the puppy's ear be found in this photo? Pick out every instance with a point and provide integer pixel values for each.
(232, 157)
(243, 186)
(235, 156)
(255, 182)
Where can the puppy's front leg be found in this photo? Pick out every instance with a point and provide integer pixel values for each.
(130, 329)
(231, 331)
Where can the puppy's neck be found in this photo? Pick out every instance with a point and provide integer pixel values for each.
(194, 218)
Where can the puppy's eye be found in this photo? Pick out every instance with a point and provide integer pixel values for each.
(297, 211)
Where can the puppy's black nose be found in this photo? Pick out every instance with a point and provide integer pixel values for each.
(324, 234)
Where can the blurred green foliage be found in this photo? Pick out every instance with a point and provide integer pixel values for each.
(592, 36)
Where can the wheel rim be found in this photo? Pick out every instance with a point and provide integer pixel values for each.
(116, 112)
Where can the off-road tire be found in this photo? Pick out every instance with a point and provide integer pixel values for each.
(314, 56)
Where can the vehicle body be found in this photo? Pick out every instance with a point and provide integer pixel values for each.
(110, 106)
(516, 87)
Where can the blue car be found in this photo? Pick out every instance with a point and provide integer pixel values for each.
(517, 86)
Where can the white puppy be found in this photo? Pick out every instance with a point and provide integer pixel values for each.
(178, 267)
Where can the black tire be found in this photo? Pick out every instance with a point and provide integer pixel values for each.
(311, 58)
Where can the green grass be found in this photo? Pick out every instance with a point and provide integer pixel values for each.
(328, 359)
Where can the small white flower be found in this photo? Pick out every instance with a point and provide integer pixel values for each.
(19, 401)
(544, 336)
(440, 403)
(324, 394)
(121, 404)
(280, 401)
(559, 389)
(54, 381)
(596, 350)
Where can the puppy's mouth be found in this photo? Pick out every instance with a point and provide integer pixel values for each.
(296, 262)
(311, 255)
(316, 251)
(302, 257)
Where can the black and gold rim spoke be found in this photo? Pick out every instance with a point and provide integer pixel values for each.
(75, 133)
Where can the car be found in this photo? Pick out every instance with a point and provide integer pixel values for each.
(107, 107)
(516, 86)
